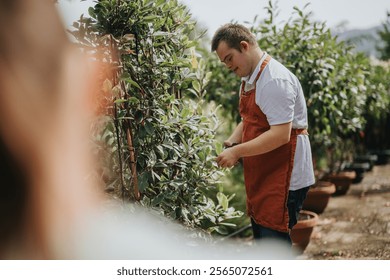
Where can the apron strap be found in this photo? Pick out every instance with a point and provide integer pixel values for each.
(299, 131)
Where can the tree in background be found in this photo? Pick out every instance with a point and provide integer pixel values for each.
(384, 35)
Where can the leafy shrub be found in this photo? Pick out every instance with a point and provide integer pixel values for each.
(159, 142)
(377, 112)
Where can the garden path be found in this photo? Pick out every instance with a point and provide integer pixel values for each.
(355, 225)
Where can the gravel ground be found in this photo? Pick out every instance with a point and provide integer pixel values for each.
(355, 225)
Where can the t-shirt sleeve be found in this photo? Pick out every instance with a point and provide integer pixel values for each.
(277, 101)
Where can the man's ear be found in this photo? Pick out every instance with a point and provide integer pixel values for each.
(244, 45)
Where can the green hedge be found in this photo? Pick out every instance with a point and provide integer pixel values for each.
(156, 70)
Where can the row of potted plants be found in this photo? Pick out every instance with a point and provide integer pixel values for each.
(335, 184)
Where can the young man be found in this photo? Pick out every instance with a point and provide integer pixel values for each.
(272, 138)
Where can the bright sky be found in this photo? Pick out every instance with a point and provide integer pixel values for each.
(211, 14)
(359, 14)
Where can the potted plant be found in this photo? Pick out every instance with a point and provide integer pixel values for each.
(359, 168)
(342, 181)
(301, 232)
(318, 196)
(340, 152)
(368, 159)
(376, 139)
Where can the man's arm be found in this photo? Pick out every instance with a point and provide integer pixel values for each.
(275, 137)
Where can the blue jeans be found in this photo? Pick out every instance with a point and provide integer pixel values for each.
(294, 205)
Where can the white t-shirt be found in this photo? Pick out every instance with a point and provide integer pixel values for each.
(279, 96)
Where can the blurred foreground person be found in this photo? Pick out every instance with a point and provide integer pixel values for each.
(44, 129)
(49, 209)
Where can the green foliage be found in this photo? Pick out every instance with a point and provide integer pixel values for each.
(377, 112)
(173, 135)
(378, 100)
(333, 77)
(336, 81)
(385, 37)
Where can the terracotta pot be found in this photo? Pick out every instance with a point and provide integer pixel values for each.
(318, 196)
(342, 180)
(301, 232)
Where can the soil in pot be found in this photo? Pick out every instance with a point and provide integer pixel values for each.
(342, 181)
(301, 232)
(318, 196)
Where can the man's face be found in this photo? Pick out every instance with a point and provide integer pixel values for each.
(235, 60)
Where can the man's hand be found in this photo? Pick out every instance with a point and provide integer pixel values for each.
(228, 158)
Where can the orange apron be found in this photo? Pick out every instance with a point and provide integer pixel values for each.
(267, 176)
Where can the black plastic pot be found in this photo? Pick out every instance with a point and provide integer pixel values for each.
(383, 156)
(371, 159)
(360, 168)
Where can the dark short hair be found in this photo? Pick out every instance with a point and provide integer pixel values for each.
(232, 34)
